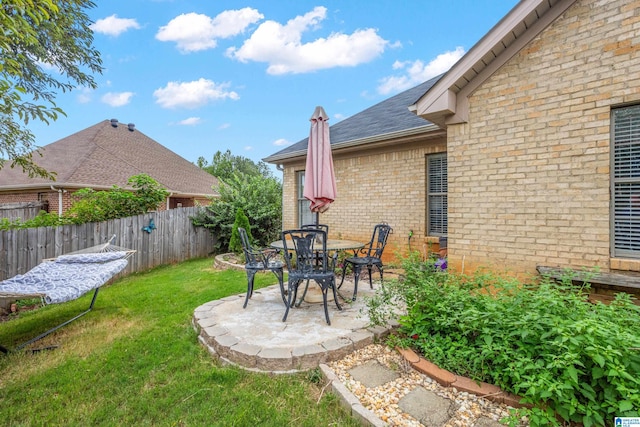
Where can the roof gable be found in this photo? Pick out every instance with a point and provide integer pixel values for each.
(104, 155)
(447, 101)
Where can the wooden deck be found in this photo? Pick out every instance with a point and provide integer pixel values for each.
(610, 281)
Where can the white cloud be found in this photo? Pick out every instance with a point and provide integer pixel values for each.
(193, 31)
(282, 48)
(117, 99)
(417, 71)
(114, 26)
(224, 126)
(84, 97)
(280, 142)
(192, 94)
(191, 121)
(248, 148)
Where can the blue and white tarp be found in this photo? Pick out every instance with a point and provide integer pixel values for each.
(67, 277)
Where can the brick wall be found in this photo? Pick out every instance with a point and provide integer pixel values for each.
(529, 173)
(18, 198)
(373, 186)
(52, 197)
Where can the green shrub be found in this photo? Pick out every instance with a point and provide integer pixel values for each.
(259, 198)
(569, 358)
(43, 219)
(235, 244)
(95, 206)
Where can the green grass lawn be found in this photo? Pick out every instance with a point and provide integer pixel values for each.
(135, 360)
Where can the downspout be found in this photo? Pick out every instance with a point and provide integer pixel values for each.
(169, 197)
(60, 191)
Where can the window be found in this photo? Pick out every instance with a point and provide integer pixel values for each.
(305, 216)
(437, 194)
(625, 182)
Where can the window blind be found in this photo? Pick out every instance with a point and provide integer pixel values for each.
(437, 194)
(626, 182)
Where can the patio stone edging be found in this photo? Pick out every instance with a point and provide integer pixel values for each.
(220, 263)
(449, 379)
(349, 401)
(229, 350)
(223, 346)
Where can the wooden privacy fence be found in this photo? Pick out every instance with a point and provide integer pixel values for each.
(22, 211)
(173, 240)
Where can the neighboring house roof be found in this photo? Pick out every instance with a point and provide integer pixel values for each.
(104, 155)
(384, 121)
(446, 102)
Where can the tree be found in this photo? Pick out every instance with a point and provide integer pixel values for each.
(244, 185)
(235, 243)
(45, 47)
(226, 165)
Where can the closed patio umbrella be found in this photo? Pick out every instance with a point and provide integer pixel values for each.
(319, 178)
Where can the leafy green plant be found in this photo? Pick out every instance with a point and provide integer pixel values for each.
(38, 37)
(96, 206)
(235, 244)
(258, 196)
(572, 360)
(43, 219)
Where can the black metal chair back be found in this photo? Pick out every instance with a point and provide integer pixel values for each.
(251, 256)
(306, 257)
(369, 256)
(302, 248)
(323, 227)
(378, 240)
(259, 260)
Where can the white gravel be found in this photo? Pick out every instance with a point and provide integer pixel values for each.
(383, 400)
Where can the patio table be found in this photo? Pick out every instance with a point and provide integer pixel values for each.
(332, 245)
(315, 294)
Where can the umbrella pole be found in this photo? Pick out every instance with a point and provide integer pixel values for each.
(317, 218)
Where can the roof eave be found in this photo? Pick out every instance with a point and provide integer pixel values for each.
(355, 143)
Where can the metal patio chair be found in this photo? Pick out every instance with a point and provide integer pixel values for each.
(318, 256)
(260, 260)
(305, 253)
(369, 256)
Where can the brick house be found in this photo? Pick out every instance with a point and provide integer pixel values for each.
(528, 154)
(99, 157)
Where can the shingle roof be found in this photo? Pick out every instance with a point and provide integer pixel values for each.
(389, 116)
(103, 155)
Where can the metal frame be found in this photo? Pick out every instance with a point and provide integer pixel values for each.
(259, 260)
(371, 256)
(55, 328)
(306, 256)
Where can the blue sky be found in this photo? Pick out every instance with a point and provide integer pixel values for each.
(200, 76)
